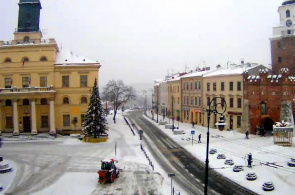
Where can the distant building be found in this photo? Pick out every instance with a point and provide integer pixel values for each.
(43, 88)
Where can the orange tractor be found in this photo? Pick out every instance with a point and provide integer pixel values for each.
(109, 172)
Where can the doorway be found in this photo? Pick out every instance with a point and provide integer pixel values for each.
(27, 124)
(231, 122)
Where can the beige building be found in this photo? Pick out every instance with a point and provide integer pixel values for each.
(42, 88)
(228, 84)
(192, 103)
(174, 98)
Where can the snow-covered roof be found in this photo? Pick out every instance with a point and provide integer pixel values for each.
(65, 56)
(195, 74)
(224, 71)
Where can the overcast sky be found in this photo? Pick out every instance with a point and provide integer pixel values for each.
(140, 41)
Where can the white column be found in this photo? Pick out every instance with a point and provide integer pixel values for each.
(52, 118)
(15, 118)
(33, 118)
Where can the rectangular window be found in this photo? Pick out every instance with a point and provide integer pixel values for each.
(214, 86)
(208, 101)
(83, 80)
(289, 32)
(239, 121)
(184, 100)
(187, 100)
(239, 103)
(231, 102)
(231, 86)
(44, 121)
(208, 86)
(280, 59)
(26, 81)
(200, 84)
(83, 118)
(66, 120)
(200, 101)
(43, 81)
(196, 101)
(9, 122)
(222, 86)
(191, 85)
(65, 81)
(8, 82)
(192, 100)
(239, 86)
(196, 85)
(177, 89)
(177, 100)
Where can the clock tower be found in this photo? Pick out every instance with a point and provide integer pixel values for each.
(29, 15)
(283, 40)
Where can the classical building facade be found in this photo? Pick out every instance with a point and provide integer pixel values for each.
(42, 88)
(191, 93)
(174, 98)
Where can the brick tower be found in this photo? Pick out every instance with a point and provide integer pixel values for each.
(283, 40)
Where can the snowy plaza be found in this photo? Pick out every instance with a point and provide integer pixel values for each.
(66, 165)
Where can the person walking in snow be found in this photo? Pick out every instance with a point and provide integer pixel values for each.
(193, 124)
(249, 160)
(200, 138)
(247, 134)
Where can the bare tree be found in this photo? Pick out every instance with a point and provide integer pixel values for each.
(118, 93)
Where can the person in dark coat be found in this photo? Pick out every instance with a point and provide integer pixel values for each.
(200, 138)
(247, 134)
(249, 160)
(193, 124)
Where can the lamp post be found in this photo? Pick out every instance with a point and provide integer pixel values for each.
(171, 175)
(216, 108)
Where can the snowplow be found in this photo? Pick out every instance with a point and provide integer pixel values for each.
(108, 172)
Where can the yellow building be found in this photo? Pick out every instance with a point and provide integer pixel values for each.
(191, 86)
(174, 98)
(228, 84)
(42, 88)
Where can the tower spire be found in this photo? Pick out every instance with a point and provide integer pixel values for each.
(29, 15)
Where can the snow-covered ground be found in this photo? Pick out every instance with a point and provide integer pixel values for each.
(80, 162)
(80, 176)
(234, 145)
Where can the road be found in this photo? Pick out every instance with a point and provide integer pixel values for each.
(189, 170)
(66, 165)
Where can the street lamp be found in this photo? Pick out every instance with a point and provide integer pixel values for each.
(216, 108)
(171, 175)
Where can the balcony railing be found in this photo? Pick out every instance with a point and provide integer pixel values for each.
(30, 42)
(26, 89)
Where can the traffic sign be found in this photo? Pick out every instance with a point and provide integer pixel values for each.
(192, 132)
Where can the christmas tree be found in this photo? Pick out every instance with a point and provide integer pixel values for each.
(95, 122)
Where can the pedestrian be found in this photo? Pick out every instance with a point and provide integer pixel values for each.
(193, 124)
(249, 160)
(263, 132)
(247, 134)
(200, 138)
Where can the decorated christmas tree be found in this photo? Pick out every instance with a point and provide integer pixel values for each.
(95, 122)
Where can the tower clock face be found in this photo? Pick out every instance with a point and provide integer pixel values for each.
(289, 23)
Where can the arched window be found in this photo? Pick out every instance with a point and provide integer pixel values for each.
(26, 102)
(25, 59)
(288, 14)
(84, 100)
(8, 103)
(66, 100)
(43, 59)
(263, 108)
(43, 101)
(7, 60)
(26, 39)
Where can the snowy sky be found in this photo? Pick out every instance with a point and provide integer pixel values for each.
(139, 41)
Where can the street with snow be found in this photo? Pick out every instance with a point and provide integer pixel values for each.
(66, 165)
